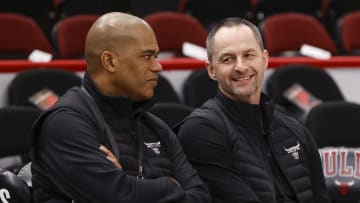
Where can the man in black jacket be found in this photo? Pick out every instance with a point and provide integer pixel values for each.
(99, 143)
(244, 148)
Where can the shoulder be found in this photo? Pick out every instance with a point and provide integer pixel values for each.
(68, 114)
(65, 122)
(284, 118)
(284, 121)
(204, 117)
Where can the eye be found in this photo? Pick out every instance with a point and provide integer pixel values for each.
(226, 60)
(247, 55)
(148, 57)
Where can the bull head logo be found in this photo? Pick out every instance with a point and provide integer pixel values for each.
(294, 150)
(344, 186)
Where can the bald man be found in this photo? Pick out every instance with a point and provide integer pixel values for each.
(99, 143)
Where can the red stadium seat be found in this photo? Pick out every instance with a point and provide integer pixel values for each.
(348, 28)
(172, 29)
(19, 36)
(287, 32)
(69, 35)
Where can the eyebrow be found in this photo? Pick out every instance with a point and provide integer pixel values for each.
(148, 51)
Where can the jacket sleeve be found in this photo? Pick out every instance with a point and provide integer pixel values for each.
(210, 153)
(320, 192)
(195, 190)
(69, 152)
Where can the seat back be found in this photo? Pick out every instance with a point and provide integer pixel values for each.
(348, 30)
(69, 35)
(315, 80)
(335, 124)
(198, 88)
(165, 91)
(45, 13)
(171, 113)
(15, 126)
(29, 82)
(13, 189)
(20, 36)
(285, 33)
(172, 29)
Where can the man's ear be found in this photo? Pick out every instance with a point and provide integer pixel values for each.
(108, 61)
(210, 70)
(266, 58)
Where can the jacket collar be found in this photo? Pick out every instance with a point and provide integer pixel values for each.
(247, 114)
(121, 104)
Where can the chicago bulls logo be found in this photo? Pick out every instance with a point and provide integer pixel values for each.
(154, 146)
(344, 186)
(294, 150)
(341, 167)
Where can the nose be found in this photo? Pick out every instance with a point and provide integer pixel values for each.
(156, 66)
(240, 65)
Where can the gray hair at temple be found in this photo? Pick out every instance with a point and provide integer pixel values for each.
(230, 22)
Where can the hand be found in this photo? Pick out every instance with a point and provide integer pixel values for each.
(110, 156)
(177, 183)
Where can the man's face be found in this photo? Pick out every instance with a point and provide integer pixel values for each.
(238, 63)
(138, 66)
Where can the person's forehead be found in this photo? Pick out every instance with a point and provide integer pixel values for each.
(234, 36)
(237, 31)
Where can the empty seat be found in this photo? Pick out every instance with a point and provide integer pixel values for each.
(164, 91)
(314, 80)
(42, 11)
(285, 33)
(171, 113)
(335, 126)
(20, 36)
(348, 30)
(69, 35)
(29, 82)
(198, 88)
(335, 123)
(173, 29)
(15, 127)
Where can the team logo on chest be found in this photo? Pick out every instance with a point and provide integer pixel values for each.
(154, 146)
(293, 151)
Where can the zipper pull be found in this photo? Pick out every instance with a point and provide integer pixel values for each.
(140, 174)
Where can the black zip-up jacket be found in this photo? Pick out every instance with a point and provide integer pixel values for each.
(243, 159)
(68, 165)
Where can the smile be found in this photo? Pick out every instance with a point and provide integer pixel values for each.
(243, 78)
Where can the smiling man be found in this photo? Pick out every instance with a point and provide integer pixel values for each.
(99, 143)
(244, 148)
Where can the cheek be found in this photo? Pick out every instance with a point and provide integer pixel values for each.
(223, 72)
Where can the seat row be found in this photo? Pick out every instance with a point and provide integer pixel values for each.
(296, 88)
(331, 119)
(283, 34)
(48, 12)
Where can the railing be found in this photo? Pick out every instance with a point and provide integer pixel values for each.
(184, 63)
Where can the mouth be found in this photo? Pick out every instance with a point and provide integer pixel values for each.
(243, 79)
(153, 81)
